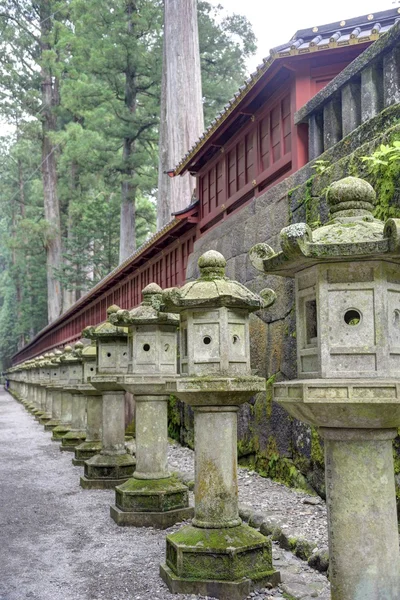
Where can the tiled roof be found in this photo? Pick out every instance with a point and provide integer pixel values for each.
(366, 28)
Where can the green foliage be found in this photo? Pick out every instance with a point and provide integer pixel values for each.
(104, 60)
(320, 166)
(384, 175)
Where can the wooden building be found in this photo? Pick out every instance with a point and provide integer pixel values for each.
(252, 144)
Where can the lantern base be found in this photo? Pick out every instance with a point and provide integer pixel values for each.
(156, 503)
(85, 451)
(37, 413)
(158, 520)
(105, 471)
(52, 424)
(45, 418)
(60, 431)
(224, 563)
(71, 440)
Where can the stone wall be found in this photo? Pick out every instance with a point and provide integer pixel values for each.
(269, 440)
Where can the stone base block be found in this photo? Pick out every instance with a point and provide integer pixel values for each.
(85, 451)
(37, 414)
(110, 467)
(72, 439)
(44, 419)
(100, 484)
(225, 563)
(50, 425)
(224, 590)
(60, 431)
(159, 520)
(152, 495)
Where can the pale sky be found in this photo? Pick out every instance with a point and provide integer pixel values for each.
(275, 22)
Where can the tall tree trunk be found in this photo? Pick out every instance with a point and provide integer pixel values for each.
(21, 212)
(70, 296)
(182, 120)
(127, 240)
(49, 172)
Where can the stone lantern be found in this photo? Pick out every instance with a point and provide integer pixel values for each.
(347, 291)
(38, 409)
(77, 433)
(55, 392)
(30, 402)
(66, 397)
(217, 554)
(28, 394)
(46, 390)
(113, 465)
(94, 409)
(152, 497)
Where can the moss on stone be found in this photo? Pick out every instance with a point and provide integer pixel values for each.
(226, 539)
(151, 486)
(174, 418)
(317, 451)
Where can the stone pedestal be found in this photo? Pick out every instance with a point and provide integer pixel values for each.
(217, 555)
(66, 416)
(152, 498)
(92, 445)
(362, 517)
(39, 411)
(77, 433)
(48, 407)
(55, 410)
(113, 466)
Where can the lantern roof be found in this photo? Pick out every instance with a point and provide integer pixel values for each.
(214, 290)
(89, 352)
(149, 312)
(352, 234)
(68, 355)
(106, 329)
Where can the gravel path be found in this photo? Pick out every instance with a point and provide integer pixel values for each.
(57, 541)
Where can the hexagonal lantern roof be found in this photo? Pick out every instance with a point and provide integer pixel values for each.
(89, 352)
(353, 234)
(149, 312)
(214, 290)
(106, 329)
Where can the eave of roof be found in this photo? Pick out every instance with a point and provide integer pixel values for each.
(359, 30)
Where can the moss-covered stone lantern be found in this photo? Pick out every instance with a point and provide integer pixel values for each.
(28, 391)
(217, 554)
(113, 465)
(94, 409)
(152, 497)
(55, 392)
(38, 410)
(47, 401)
(347, 291)
(77, 433)
(66, 397)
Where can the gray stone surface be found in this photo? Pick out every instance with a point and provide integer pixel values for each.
(391, 77)
(332, 123)
(351, 107)
(371, 91)
(315, 136)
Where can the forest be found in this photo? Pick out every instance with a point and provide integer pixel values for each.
(80, 86)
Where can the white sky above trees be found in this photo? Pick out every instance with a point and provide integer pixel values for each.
(275, 22)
